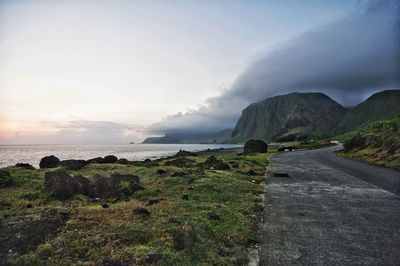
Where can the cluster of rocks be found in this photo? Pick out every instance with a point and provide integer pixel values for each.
(63, 186)
(255, 146)
(53, 162)
(183, 153)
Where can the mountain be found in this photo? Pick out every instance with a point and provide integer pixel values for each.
(381, 105)
(192, 138)
(295, 116)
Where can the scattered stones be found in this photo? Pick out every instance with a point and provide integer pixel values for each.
(284, 148)
(185, 197)
(73, 164)
(184, 237)
(175, 174)
(110, 159)
(141, 211)
(253, 146)
(60, 184)
(234, 164)
(26, 166)
(183, 153)
(160, 172)
(49, 162)
(153, 257)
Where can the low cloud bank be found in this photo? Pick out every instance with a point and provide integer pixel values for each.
(348, 60)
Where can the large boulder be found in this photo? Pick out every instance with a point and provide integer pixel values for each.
(95, 160)
(26, 166)
(49, 162)
(81, 184)
(73, 164)
(215, 164)
(110, 159)
(253, 146)
(102, 187)
(60, 184)
(359, 141)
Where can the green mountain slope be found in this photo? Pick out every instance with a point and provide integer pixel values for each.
(294, 116)
(377, 142)
(381, 105)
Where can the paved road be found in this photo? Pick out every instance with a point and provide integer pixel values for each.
(326, 213)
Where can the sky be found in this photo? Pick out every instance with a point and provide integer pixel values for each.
(85, 72)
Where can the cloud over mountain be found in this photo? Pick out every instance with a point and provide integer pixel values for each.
(348, 59)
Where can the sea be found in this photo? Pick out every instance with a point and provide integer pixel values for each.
(13, 154)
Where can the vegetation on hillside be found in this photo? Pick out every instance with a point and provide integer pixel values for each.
(377, 142)
(217, 208)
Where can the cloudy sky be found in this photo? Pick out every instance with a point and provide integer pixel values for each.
(117, 71)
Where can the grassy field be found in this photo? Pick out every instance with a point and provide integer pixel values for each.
(221, 206)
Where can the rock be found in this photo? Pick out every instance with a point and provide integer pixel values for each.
(234, 164)
(110, 159)
(123, 161)
(184, 237)
(359, 141)
(102, 187)
(141, 211)
(180, 162)
(95, 160)
(253, 146)
(215, 164)
(28, 206)
(81, 184)
(73, 164)
(105, 205)
(49, 162)
(185, 197)
(153, 201)
(5, 178)
(160, 172)
(147, 161)
(251, 172)
(153, 257)
(60, 184)
(25, 166)
(286, 148)
(213, 216)
(175, 174)
(183, 153)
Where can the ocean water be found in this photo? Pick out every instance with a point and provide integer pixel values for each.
(12, 154)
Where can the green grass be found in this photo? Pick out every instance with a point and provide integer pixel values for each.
(388, 133)
(94, 233)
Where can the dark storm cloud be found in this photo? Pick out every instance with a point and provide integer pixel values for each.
(348, 60)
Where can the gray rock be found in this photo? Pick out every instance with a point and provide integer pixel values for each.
(184, 237)
(254, 146)
(73, 164)
(25, 166)
(60, 184)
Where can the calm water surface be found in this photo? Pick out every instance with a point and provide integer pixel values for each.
(10, 155)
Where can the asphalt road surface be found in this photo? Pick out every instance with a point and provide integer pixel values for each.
(330, 211)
